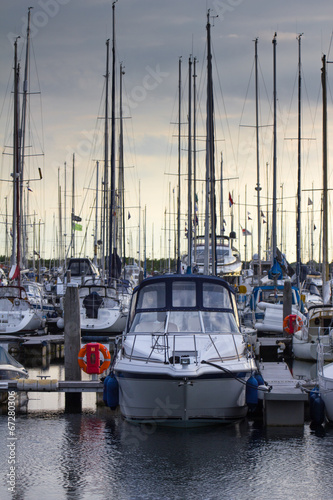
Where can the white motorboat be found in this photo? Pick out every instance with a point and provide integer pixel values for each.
(317, 330)
(10, 368)
(183, 360)
(101, 310)
(17, 314)
(228, 260)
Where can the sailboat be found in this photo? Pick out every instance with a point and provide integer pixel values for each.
(17, 314)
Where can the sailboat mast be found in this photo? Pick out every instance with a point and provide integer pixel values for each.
(179, 162)
(22, 133)
(112, 250)
(121, 169)
(258, 188)
(274, 152)
(96, 214)
(221, 201)
(189, 186)
(195, 201)
(16, 171)
(298, 231)
(210, 230)
(73, 207)
(106, 162)
(325, 273)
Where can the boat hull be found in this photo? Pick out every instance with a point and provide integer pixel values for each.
(18, 322)
(302, 349)
(181, 401)
(325, 378)
(108, 321)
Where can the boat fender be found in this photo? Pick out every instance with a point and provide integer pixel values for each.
(259, 378)
(105, 384)
(60, 323)
(292, 323)
(104, 366)
(252, 392)
(317, 407)
(112, 392)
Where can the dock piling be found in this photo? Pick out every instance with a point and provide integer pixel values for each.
(72, 339)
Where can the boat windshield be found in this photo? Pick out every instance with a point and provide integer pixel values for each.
(185, 322)
(221, 253)
(12, 291)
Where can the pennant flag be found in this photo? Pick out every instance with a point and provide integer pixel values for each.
(128, 216)
(310, 202)
(231, 201)
(246, 232)
(29, 189)
(262, 214)
(77, 227)
(314, 227)
(76, 218)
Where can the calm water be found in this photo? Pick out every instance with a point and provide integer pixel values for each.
(97, 454)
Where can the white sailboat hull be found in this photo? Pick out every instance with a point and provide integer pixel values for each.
(19, 321)
(108, 321)
(325, 378)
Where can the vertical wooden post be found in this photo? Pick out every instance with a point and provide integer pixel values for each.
(287, 299)
(72, 340)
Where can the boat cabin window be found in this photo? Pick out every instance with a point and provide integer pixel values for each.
(149, 322)
(216, 296)
(219, 322)
(152, 297)
(183, 294)
(220, 254)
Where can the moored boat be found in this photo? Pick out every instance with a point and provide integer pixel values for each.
(101, 310)
(17, 314)
(183, 360)
(317, 330)
(10, 368)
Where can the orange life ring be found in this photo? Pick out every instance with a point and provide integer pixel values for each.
(106, 355)
(292, 323)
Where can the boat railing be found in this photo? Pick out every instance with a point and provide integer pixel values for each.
(169, 347)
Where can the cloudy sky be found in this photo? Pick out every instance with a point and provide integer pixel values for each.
(68, 68)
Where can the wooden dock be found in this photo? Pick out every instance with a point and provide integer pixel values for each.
(284, 404)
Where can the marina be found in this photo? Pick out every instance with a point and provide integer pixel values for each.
(165, 339)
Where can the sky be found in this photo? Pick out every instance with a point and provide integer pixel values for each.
(66, 106)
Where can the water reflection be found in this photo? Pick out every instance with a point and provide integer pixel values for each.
(96, 454)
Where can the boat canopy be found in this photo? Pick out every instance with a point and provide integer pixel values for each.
(183, 293)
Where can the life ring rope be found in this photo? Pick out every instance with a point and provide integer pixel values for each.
(106, 355)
